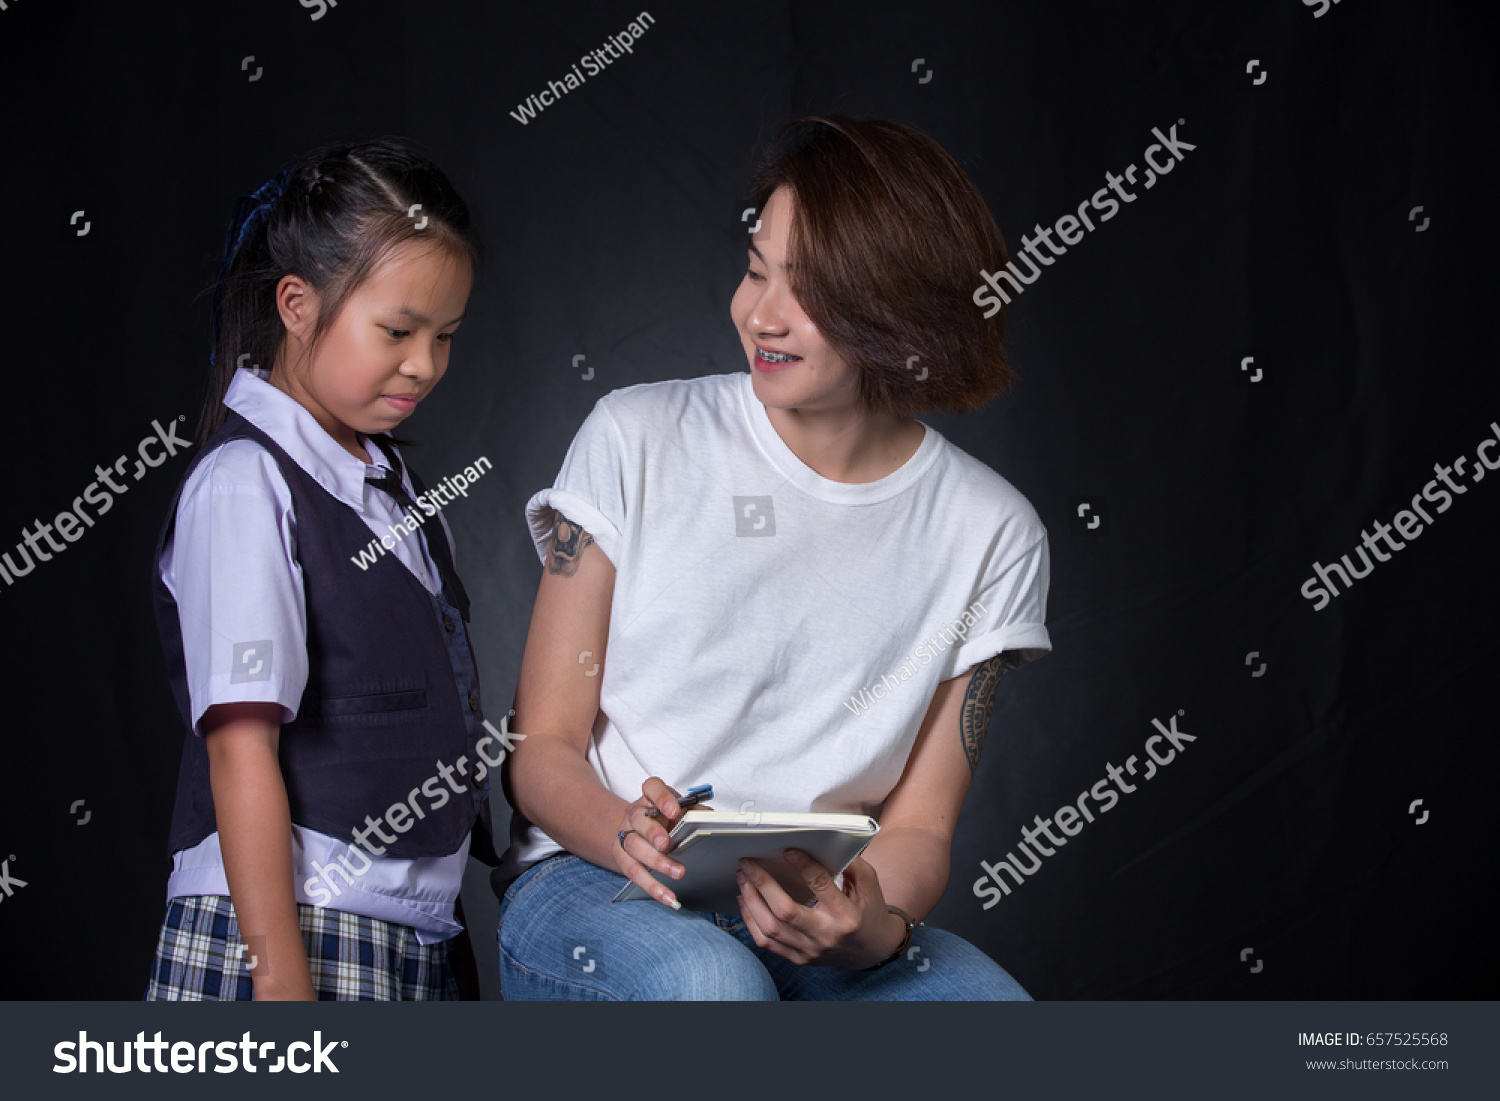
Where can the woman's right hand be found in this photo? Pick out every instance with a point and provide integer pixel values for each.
(644, 846)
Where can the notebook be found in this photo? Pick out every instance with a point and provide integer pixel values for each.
(710, 843)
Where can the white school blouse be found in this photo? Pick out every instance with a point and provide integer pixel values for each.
(232, 568)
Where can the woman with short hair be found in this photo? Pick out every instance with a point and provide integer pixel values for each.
(782, 584)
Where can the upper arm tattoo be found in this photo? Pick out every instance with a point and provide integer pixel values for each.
(568, 543)
(979, 703)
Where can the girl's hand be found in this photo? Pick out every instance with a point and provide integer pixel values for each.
(644, 846)
(849, 928)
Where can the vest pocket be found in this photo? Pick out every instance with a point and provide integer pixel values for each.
(363, 705)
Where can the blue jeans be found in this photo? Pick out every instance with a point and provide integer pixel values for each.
(561, 939)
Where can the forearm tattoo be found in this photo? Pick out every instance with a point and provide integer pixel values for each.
(979, 703)
(568, 543)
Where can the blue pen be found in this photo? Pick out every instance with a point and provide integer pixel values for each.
(702, 793)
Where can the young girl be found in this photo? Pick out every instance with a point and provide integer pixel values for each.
(796, 592)
(317, 843)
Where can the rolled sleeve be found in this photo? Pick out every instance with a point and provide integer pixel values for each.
(589, 489)
(1010, 611)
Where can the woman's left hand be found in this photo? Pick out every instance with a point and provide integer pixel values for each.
(850, 928)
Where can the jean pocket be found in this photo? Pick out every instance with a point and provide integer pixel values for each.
(545, 866)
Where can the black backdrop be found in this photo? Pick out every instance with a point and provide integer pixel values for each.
(1331, 223)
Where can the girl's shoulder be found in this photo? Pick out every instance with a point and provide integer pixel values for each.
(235, 506)
(237, 466)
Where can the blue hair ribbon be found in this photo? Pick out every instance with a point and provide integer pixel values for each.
(249, 211)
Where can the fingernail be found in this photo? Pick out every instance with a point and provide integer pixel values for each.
(672, 902)
(792, 856)
(741, 877)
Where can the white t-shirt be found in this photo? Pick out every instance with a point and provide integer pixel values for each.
(774, 633)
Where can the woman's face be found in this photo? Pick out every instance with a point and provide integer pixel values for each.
(772, 326)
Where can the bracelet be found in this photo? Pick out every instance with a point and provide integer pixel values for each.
(911, 924)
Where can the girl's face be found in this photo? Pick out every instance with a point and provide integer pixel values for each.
(385, 351)
(772, 325)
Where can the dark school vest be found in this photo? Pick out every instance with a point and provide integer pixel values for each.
(390, 715)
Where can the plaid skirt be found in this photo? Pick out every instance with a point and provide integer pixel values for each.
(200, 957)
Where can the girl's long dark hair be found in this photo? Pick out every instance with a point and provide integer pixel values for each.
(339, 210)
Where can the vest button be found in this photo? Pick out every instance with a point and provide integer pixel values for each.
(473, 701)
(448, 624)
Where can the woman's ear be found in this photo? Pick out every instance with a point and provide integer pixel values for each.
(297, 303)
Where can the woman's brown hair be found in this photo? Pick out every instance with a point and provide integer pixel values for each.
(887, 239)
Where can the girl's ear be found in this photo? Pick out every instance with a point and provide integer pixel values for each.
(297, 303)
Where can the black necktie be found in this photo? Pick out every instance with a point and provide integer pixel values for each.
(437, 545)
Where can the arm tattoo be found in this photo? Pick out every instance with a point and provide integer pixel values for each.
(568, 543)
(979, 702)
